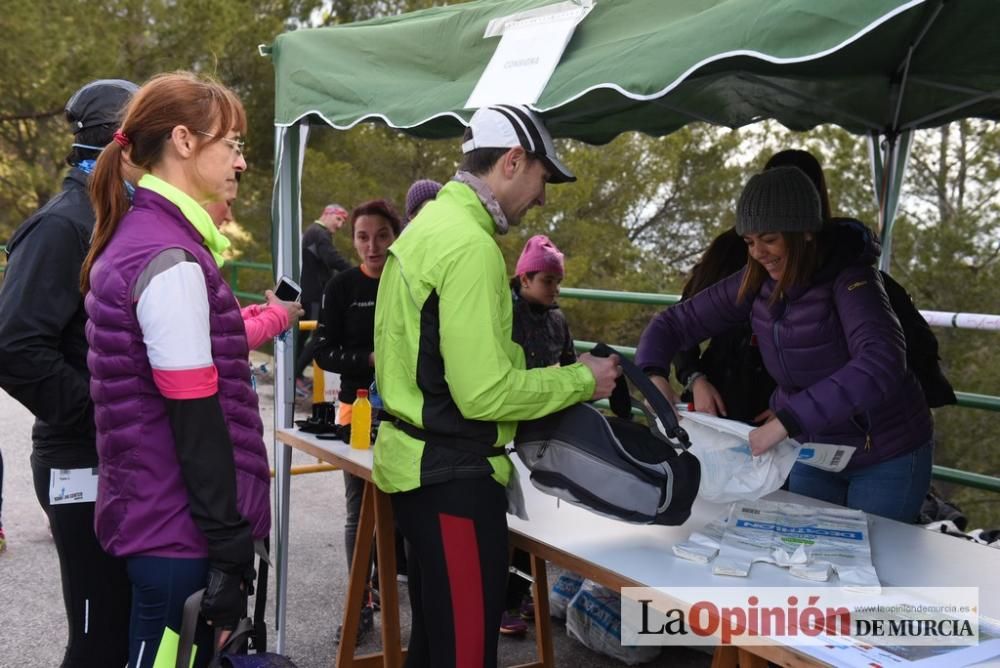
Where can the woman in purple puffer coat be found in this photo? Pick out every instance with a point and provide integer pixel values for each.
(828, 337)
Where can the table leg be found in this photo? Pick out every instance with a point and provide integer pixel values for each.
(543, 623)
(357, 580)
(750, 660)
(385, 535)
(728, 656)
(725, 656)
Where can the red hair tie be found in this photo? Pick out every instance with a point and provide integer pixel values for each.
(121, 139)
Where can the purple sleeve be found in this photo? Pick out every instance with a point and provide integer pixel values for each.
(877, 349)
(712, 311)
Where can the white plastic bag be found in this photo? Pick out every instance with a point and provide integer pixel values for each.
(728, 471)
(595, 619)
(563, 592)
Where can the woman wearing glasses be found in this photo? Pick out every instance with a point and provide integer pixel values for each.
(183, 474)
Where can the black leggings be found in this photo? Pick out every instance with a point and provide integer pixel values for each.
(96, 589)
(457, 535)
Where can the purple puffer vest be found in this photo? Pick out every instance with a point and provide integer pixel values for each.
(142, 503)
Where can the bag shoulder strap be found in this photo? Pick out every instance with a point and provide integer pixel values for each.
(661, 407)
(189, 622)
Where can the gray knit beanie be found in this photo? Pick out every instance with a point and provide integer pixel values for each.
(782, 199)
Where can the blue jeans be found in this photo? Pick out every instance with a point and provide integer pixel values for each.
(894, 488)
(160, 585)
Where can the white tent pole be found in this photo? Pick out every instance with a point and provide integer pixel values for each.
(286, 222)
(889, 156)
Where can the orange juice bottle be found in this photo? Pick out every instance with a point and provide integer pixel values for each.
(361, 422)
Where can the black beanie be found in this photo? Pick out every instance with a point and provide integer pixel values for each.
(782, 199)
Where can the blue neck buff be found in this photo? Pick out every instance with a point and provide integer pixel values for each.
(87, 166)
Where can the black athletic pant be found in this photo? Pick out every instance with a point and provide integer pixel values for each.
(96, 589)
(457, 534)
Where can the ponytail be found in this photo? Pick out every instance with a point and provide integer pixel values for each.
(110, 202)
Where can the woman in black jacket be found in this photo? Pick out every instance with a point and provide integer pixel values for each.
(345, 338)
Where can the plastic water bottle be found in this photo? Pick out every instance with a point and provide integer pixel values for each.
(361, 422)
(374, 397)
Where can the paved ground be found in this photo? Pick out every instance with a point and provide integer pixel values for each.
(32, 621)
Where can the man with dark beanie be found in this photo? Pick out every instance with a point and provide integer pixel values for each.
(43, 364)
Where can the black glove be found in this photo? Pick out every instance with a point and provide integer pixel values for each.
(225, 600)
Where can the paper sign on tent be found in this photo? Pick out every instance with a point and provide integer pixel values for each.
(529, 50)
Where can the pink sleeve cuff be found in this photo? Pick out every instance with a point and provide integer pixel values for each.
(265, 324)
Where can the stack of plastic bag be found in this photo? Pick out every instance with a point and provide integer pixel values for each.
(810, 542)
(563, 592)
(594, 618)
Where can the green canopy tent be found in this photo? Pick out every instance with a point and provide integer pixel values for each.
(879, 68)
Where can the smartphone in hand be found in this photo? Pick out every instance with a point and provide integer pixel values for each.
(287, 290)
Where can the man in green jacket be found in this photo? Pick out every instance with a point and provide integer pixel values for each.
(456, 386)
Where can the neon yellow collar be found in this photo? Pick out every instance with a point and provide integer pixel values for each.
(214, 240)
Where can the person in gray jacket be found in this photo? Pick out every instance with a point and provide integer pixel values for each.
(43, 365)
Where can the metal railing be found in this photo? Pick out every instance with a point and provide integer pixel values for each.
(942, 473)
(233, 267)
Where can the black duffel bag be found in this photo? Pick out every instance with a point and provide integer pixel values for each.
(614, 466)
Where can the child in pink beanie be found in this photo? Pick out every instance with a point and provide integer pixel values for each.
(539, 326)
(541, 329)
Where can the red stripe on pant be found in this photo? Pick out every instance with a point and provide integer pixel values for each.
(465, 580)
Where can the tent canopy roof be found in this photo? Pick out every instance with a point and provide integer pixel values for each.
(654, 66)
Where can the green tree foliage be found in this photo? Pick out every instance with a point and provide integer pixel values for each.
(52, 48)
(946, 253)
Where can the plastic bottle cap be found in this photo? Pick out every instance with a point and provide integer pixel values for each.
(362, 394)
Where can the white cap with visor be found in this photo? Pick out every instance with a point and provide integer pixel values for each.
(510, 126)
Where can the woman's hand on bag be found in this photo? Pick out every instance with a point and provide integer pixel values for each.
(224, 602)
(765, 437)
(706, 398)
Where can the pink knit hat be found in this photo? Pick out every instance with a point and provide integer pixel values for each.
(540, 254)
